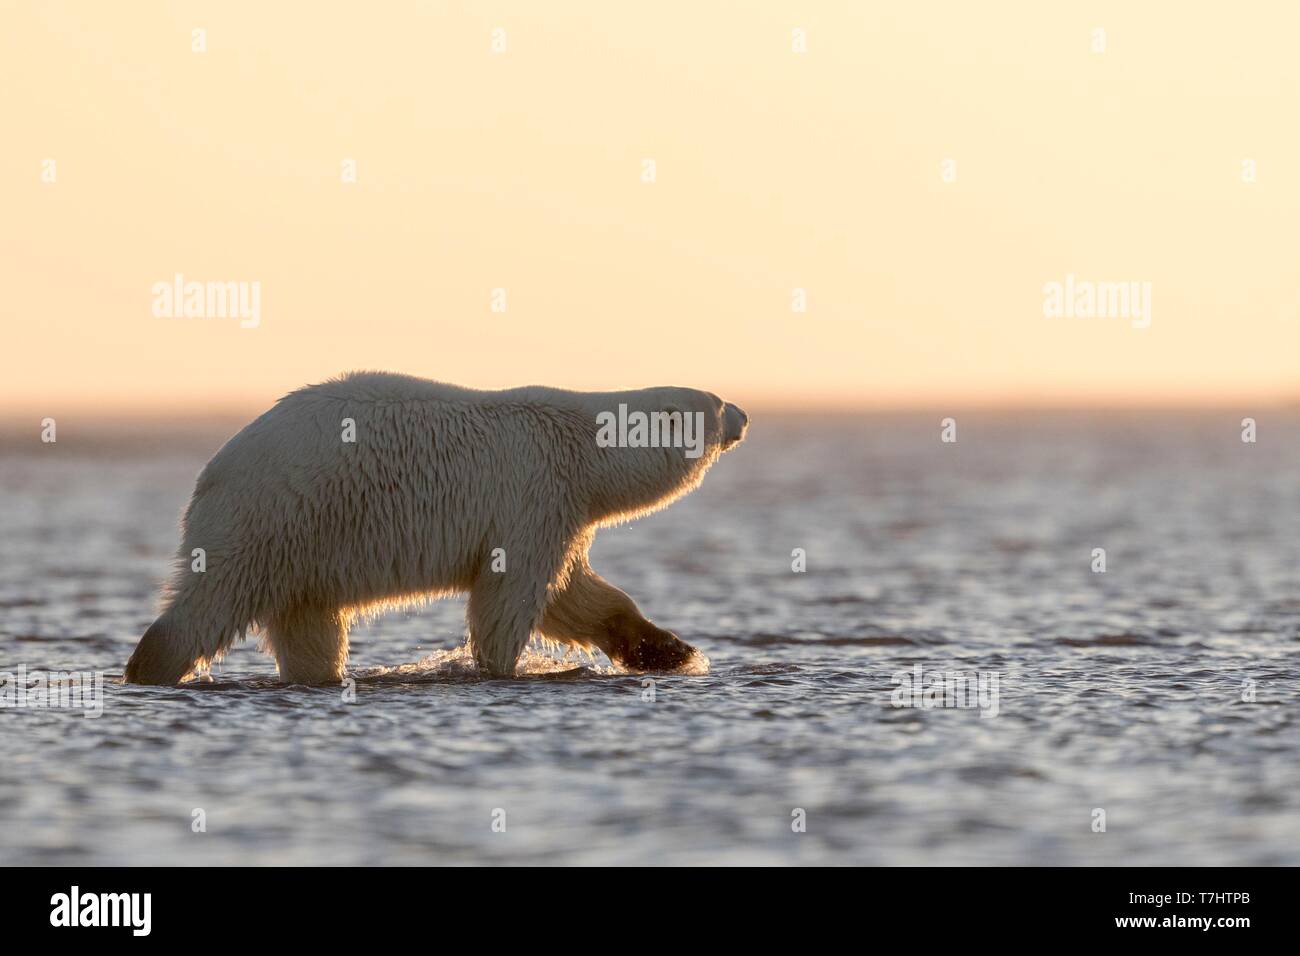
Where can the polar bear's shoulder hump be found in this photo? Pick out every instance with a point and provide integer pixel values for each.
(392, 387)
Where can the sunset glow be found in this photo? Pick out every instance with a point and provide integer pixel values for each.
(921, 174)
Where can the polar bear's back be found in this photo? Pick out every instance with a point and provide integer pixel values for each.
(376, 484)
(394, 387)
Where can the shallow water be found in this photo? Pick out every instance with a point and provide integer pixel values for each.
(1120, 691)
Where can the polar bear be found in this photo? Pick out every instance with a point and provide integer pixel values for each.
(374, 489)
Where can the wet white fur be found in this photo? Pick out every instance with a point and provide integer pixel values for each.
(303, 530)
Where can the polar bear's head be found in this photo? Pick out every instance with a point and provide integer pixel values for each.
(653, 445)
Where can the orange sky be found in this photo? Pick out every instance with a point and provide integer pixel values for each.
(522, 170)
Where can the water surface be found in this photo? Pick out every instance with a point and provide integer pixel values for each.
(1120, 691)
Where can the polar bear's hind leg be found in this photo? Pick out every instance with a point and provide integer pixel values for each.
(310, 644)
(174, 647)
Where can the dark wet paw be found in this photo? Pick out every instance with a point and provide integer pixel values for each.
(660, 651)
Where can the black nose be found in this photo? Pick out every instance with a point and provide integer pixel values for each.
(737, 422)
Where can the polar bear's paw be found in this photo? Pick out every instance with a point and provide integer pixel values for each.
(643, 647)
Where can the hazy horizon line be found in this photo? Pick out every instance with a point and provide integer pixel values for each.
(101, 412)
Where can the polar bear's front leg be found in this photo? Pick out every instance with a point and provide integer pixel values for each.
(504, 609)
(590, 611)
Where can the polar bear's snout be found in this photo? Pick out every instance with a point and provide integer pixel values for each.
(736, 423)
